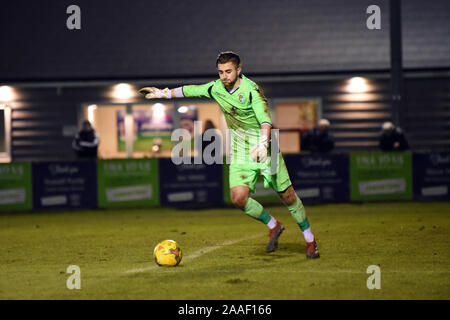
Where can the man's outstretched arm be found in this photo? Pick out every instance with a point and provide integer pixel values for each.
(155, 93)
(203, 90)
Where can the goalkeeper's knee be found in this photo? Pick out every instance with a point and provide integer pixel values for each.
(239, 200)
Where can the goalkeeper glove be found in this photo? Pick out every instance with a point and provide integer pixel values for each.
(155, 93)
(258, 153)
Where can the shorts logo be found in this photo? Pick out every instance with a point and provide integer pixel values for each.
(241, 98)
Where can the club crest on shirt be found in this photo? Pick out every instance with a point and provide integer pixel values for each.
(241, 98)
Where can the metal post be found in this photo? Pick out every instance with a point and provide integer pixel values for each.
(396, 62)
(129, 134)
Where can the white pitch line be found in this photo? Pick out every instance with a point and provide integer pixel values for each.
(353, 271)
(198, 253)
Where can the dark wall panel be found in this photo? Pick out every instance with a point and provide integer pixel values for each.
(427, 113)
(37, 127)
(135, 39)
(148, 39)
(425, 31)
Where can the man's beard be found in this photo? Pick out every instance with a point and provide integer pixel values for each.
(231, 84)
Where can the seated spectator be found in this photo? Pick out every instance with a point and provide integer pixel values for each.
(85, 142)
(392, 138)
(318, 139)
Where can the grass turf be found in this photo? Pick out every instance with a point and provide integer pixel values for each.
(113, 248)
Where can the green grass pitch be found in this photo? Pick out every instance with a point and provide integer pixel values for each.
(224, 253)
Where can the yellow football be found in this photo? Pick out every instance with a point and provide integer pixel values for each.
(167, 253)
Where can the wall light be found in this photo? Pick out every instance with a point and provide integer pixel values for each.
(91, 113)
(6, 94)
(123, 91)
(158, 112)
(183, 109)
(357, 85)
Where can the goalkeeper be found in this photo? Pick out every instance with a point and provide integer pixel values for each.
(247, 115)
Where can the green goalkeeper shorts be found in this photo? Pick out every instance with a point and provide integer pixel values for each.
(247, 174)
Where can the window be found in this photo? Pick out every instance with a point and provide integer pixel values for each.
(294, 117)
(132, 130)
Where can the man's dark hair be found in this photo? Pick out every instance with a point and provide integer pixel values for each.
(228, 56)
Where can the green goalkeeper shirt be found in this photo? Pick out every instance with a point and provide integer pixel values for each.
(245, 110)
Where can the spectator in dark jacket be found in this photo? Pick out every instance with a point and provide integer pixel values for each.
(205, 142)
(392, 138)
(85, 142)
(318, 139)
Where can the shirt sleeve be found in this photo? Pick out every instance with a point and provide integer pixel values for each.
(202, 90)
(260, 106)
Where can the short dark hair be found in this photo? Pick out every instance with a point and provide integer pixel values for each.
(228, 56)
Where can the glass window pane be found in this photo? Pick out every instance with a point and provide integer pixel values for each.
(153, 126)
(295, 118)
(108, 123)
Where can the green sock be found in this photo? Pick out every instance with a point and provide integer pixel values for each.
(264, 217)
(255, 210)
(304, 225)
(297, 211)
